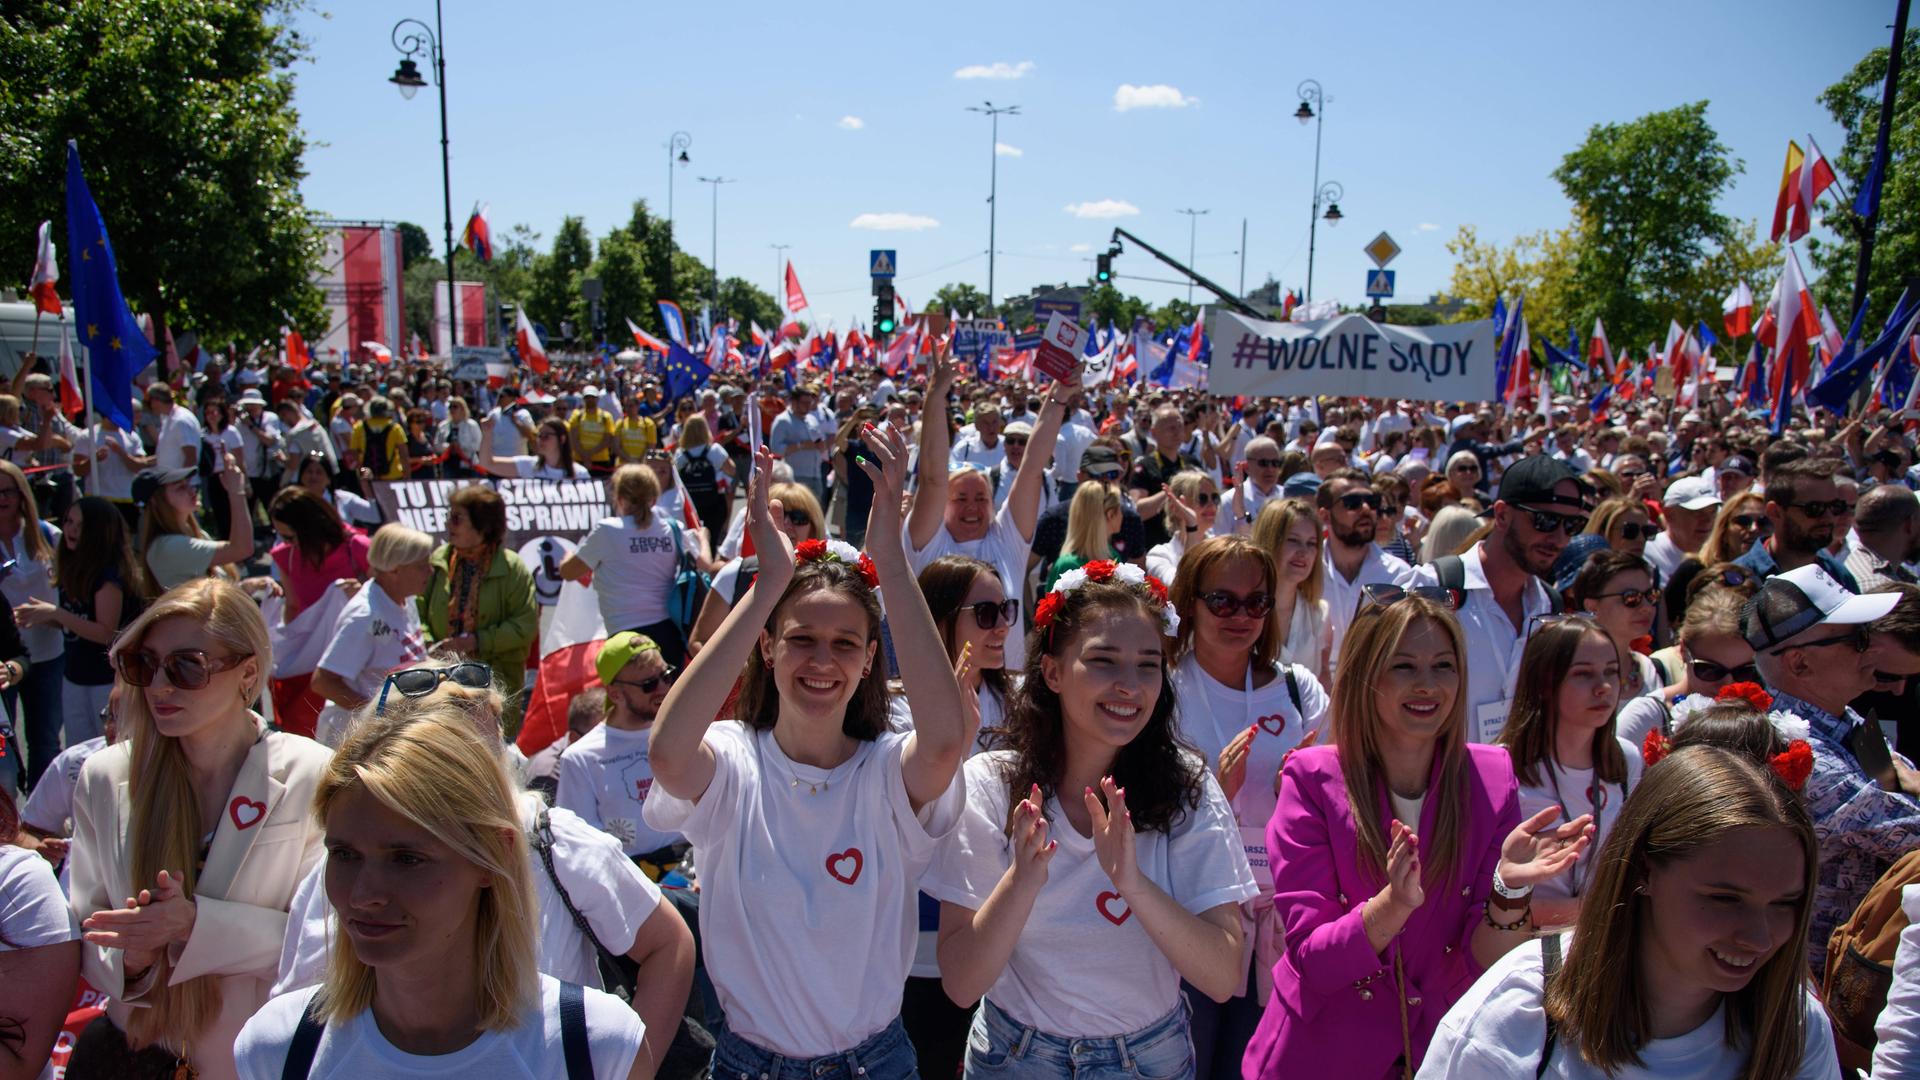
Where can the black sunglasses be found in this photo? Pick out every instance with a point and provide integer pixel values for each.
(186, 669)
(651, 682)
(1631, 475)
(1856, 636)
(1631, 598)
(1354, 500)
(1380, 596)
(1264, 462)
(419, 682)
(1546, 521)
(1633, 530)
(1751, 521)
(797, 518)
(988, 614)
(1226, 605)
(1708, 671)
(1015, 440)
(1206, 498)
(1829, 508)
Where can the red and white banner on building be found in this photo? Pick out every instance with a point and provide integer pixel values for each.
(362, 281)
(473, 315)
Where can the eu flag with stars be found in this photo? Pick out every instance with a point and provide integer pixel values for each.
(117, 349)
(685, 372)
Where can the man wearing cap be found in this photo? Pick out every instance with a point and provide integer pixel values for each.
(260, 447)
(591, 429)
(1540, 506)
(177, 442)
(1467, 430)
(983, 447)
(1689, 507)
(1803, 503)
(1733, 476)
(1015, 438)
(1816, 654)
(604, 775)
(1349, 508)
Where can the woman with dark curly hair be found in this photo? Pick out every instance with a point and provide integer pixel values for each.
(1077, 915)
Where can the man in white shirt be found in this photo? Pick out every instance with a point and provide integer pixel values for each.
(1350, 511)
(1566, 447)
(1690, 505)
(983, 448)
(1541, 505)
(1262, 484)
(177, 446)
(113, 458)
(604, 775)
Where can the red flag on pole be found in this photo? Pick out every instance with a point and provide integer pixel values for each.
(796, 300)
(46, 273)
(296, 346)
(531, 352)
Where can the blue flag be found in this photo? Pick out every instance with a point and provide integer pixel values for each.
(117, 350)
(674, 321)
(1499, 317)
(1853, 366)
(685, 372)
(1866, 202)
(1503, 360)
(1707, 340)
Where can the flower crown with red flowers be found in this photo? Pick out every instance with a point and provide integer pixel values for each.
(1792, 765)
(839, 551)
(1102, 571)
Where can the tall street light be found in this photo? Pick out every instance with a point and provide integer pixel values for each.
(780, 279)
(676, 155)
(1310, 96)
(993, 191)
(413, 38)
(1193, 225)
(716, 181)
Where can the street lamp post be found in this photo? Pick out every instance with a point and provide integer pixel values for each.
(993, 190)
(716, 181)
(780, 278)
(1193, 224)
(417, 39)
(1312, 95)
(676, 155)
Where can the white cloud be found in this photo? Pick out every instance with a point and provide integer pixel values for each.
(852, 123)
(999, 69)
(1428, 226)
(1008, 151)
(1080, 249)
(1157, 96)
(894, 221)
(1104, 208)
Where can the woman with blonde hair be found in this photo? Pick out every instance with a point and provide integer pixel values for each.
(1690, 957)
(1092, 518)
(706, 470)
(190, 835)
(1193, 503)
(1401, 865)
(1741, 522)
(633, 558)
(27, 546)
(1626, 524)
(1290, 530)
(378, 631)
(1450, 534)
(435, 966)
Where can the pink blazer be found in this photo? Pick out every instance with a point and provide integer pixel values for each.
(1334, 1009)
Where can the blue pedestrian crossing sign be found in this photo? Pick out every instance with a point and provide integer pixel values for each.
(880, 264)
(1379, 283)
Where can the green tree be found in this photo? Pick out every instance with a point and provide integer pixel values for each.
(553, 294)
(509, 277)
(626, 291)
(415, 245)
(1645, 195)
(183, 111)
(1854, 103)
(962, 299)
(741, 299)
(1173, 314)
(1106, 304)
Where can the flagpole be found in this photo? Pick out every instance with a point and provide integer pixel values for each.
(1871, 224)
(35, 349)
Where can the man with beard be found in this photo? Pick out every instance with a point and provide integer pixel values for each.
(604, 774)
(1350, 512)
(1541, 504)
(1802, 503)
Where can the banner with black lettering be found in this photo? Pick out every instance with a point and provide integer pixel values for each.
(1351, 356)
(535, 508)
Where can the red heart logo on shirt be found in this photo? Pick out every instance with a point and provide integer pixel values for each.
(245, 812)
(1275, 724)
(1113, 908)
(845, 866)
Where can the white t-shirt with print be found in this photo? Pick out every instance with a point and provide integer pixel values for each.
(1575, 793)
(612, 894)
(374, 636)
(633, 569)
(1003, 548)
(1499, 1028)
(1211, 715)
(354, 1049)
(1083, 966)
(605, 778)
(808, 879)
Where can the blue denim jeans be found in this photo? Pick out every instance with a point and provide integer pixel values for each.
(1002, 1048)
(40, 695)
(886, 1056)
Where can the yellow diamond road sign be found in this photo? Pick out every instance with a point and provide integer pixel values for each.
(1381, 249)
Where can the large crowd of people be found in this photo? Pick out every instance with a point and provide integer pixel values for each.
(946, 727)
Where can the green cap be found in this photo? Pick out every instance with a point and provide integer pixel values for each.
(619, 651)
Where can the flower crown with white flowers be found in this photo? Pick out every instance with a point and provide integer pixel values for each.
(1103, 571)
(1792, 765)
(839, 551)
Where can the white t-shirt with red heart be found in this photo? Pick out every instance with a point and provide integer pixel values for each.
(808, 883)
(1083, 966)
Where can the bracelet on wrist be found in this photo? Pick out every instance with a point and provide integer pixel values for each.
(1508, 892)
(1520, 921)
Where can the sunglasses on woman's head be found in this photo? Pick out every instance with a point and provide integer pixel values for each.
(988, 614)
(652, 682)
(1633, 530)
(1556, 618)
(1708, 671)
(419, 682)
(1226, 605)
(185, 669)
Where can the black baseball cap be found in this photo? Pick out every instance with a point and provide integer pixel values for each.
(1532, 480)
(1100, 462)
(151, 480)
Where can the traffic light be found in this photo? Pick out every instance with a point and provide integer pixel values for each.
(1103, 268)
(883, 304)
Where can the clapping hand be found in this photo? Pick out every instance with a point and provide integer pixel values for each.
(770, 545)
(1031, 848)
(1113, 835)
(146, 924)
(1537, 851)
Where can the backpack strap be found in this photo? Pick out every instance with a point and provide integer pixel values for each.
(1293, 691)
(1451, 571)
(573, 1032)
(306, 1043)
(541, 839)
(1549, 963)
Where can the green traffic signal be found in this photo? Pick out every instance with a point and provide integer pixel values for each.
(884, 324)
(1103, 268)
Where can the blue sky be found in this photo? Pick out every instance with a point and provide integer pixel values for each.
(830, 114)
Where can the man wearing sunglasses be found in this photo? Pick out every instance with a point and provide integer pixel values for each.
(1540, 506)
(604, 774)
(1350, 511)
(1262, 478)
(1816, 653)
(1803, 504)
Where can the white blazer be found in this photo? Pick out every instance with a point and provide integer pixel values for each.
(266, 842)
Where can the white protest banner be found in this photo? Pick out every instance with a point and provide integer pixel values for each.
(1352, 356)
(536, 509)
(1061, 345)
